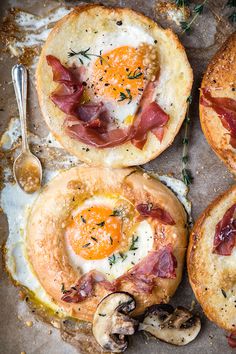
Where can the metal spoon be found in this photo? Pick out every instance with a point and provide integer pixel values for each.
(27, 168)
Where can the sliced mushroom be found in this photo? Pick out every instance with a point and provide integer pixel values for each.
(175, 326)
(111, 322)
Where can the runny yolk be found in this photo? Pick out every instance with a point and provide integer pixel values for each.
(119, 74)
(94, 233)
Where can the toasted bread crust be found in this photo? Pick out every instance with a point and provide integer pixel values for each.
(126, 154)
(213, 276)
(220, 79)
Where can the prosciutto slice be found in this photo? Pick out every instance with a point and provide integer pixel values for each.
(225, 108)
(225, 233)
(91, 123)
(157, 264)
(155, 212)
(85, 287)
(232, 339)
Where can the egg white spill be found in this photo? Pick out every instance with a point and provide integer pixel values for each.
(122, 262)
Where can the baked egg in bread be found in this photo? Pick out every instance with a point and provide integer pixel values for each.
(218, 103)
(113, 85)
(93, 232)
(211, 260)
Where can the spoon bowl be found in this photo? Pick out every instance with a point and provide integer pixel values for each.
(27, 168)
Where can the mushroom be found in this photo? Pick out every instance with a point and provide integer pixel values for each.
(111, 322)
(175, 326)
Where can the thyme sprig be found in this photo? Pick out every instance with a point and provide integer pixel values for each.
(232, 17)
(186, 173)
(133, 246)
(85, 54)
(124, 96)
(181, 3)
(135, 75)
(231, 3)
(112, 260)
(197, 10)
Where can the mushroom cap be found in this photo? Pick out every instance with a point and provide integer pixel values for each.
(111, 322)
(175, 326)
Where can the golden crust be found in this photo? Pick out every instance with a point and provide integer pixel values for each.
(45, 245)
(176, 89)
(220, 78)
(213, 277)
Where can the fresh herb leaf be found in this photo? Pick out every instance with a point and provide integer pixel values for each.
(124, 96)
(185, 26)
(86, 245)
(181, 3)
(116, 212)
(185, 141)
(123, 256)
(102, 223)
(136, 74)
(87, 55)
(185, 159)
(112, 260)
(187, 176)
(223, 293)
(63, 290)
(133, 246)
(189, 99)
(83, 219)
(198, 9)
(232, 17)
(231, 3)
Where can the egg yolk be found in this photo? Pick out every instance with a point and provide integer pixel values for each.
(119, 74)
(94, 233)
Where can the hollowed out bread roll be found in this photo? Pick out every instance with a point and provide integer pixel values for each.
(213, 275)
(101, 29)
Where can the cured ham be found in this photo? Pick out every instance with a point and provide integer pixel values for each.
(161, 263)
(85, 287)
(92, 124)
(225, 108)
(157, 264)
(155, 212)
(225, 233)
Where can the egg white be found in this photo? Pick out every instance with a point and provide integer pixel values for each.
(122, 262)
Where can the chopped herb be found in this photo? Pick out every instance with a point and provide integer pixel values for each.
(135, 75)
(112, 260)
(123, 256)
(187, 176)
(223, 293)
(86, 245)
(189, 99)
(83, 219)
(181, 3)
(63, 290)
(111, 240)
(102, 223)
(232, 17)
(123, 96)
(102, 314)
(94, 238)
(116, 212)
(231, 3)
(133, 246)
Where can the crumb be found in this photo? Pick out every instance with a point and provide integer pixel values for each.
(29, 323)
(173, 12)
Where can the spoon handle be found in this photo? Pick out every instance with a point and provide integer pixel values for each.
(19, 78)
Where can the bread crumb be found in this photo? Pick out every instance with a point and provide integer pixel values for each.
(29, 323)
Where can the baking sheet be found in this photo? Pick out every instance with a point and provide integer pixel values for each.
(210, 179)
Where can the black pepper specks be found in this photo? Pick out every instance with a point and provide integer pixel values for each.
(119, 23)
